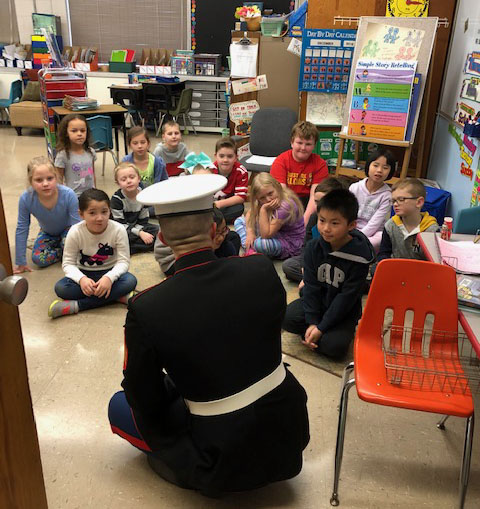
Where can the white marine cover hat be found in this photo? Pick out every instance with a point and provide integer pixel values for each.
(182, 195)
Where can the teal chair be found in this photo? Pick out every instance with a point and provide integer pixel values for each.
(15, 96)
(101, 136)
(467, 221)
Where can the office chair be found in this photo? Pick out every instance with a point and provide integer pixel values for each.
(15, 96)
(426, 373)
(467, 221)
(269, 135)
(101, 137)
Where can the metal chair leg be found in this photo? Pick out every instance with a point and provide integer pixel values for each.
(442, 421)
(342, 418)
(466, 459)
(190, 120)
(114, 156)
(103, 164)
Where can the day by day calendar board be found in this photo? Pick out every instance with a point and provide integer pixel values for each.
(326, 60)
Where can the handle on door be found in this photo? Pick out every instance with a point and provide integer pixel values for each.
(13, 289)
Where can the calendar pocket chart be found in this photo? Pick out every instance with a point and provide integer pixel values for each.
(326, 60)
(381, 98)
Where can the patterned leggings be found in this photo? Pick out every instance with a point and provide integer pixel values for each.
(270, 247)
(48, 249)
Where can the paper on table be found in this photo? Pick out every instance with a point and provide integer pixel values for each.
(463, 256)
(266, 161)
(244, 60)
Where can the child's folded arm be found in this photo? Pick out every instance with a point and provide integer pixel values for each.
(312, 291)
(343, 303)
(386, 248)
(377, 221)
(69, 260)
(123, 256)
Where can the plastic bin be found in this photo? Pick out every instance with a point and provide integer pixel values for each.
(272, 27)
(182, 64)
(208, 64)
(122, 66)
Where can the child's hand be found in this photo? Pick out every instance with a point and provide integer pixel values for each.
(312, 337)
(103, 287)
(272, 205)
(249, 240)
(18, 269)
(301, 285)
(146, 237)
(88, 286)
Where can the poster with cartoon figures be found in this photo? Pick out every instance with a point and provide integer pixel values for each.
(468, 104)
(326, 60)
(386, 42)
(381, 98)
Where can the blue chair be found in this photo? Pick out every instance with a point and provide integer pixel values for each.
(101, 137)
(467, 221)
(15, 96)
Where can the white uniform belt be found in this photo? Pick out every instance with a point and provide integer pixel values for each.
(240, 399)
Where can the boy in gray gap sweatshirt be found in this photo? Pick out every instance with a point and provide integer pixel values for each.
(172, 149)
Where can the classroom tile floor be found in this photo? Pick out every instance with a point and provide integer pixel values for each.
(393, 458)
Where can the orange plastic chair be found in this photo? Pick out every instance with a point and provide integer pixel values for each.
(426, 289)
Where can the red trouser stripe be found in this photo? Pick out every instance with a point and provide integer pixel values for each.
(137, 442)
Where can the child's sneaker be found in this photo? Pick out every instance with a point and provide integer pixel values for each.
(60, 308)
(125, 298)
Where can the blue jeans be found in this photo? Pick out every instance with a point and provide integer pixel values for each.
(67, 289)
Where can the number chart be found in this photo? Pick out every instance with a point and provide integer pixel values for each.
(326, 60)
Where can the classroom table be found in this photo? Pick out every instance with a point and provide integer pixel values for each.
(173, 92)
(469, 320)
(114, 111)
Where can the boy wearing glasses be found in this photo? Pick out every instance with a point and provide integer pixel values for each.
(399, 238)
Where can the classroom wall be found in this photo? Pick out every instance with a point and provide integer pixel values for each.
(445, 164)
(8, 30)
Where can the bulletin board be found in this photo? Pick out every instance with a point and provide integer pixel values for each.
(427, 25)
(213, 20)
(461, 86)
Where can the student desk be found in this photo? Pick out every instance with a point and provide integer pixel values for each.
(114, 111)
(470, 320)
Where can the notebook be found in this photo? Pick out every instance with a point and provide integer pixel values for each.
(463, 256)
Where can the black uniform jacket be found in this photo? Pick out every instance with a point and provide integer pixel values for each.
(214, 327)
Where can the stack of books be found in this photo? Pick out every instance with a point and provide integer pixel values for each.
(79, 103)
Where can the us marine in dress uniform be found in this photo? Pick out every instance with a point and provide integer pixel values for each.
(206, 394)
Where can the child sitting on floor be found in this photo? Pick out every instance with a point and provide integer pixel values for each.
(75, 159)
(54, 206)
(231, 198)
(335, 268)
(374, 196)
(151, 167)
(293, 267)
(95, 260)
(129, 212)
(274, 224)
(300, 169)
(172, 149)
(399, 239)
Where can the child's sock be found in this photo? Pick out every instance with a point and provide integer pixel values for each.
(60, 308)
(125, 298)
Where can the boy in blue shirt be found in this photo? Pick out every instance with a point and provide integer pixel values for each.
(335, 269)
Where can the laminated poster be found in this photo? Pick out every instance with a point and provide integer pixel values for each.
(325, 109)
(381, 99)
(326, 60)
(241, 115)
(386, 42)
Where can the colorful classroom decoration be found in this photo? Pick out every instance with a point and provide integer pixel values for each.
(326, 60)
(381, 99)
(407, 8)
(387, 42)
(475, 202)
(241, 115)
